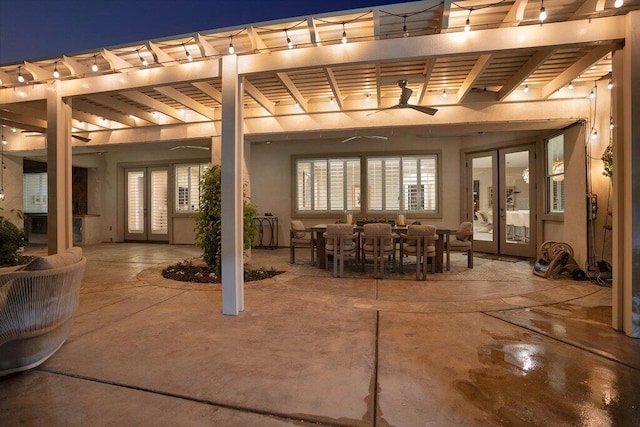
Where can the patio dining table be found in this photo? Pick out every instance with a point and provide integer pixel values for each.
(318, 230)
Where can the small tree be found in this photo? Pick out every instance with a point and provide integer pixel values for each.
(12, 240)
(209, 219)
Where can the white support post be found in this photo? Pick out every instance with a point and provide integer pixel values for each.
(60, 219)
(232, 155)
(626, 181)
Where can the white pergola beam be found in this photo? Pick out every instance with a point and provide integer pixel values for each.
(333, 84)
(206, 50)
(446, 11)
(159, 55)
(115, 62)
(516, 13)
(89, 118)
(103, 112)
(572, 33)
(118, 105)
(472, 77)
(257, 45)
(293, 90)
(259, 97)
(76, 68)
(6, 79)
(427, 71)
(575, 70)
(209, 90)
(187, 101)
(532, 64)
(154, 104)
(25, 119)
(37, 72)
(314, 35)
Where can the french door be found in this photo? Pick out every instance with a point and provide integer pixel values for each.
(502, 200)
(146, 204)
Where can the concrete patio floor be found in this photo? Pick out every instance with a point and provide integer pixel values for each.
(495, 345)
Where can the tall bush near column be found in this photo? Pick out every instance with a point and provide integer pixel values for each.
(209, 219)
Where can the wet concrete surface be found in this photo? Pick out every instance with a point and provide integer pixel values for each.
(312, 349)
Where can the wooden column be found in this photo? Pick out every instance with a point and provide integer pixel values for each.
(232, 154)
(60, 219)
(626, 181)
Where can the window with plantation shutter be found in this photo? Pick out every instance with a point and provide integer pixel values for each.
(34, 190)
(159, 217)
(187, 187)
(135, 202)
(327, 185)
(405, 183)
(555, 174)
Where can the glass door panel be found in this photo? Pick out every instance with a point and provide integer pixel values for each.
(146, 207)
(517, 201)
(483, 201)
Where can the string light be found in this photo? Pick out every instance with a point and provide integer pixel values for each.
(618, 3)
(570, 87)
(231, 49)
(344, 35)
(611, 123)
(4, 140)
(405, 32)
(94, 67)
(189, 57)
(594, 135)
(444, 93)
(2, 167)
(592, 94)
(467, 24)
(56, 73)
(610, 84)
(142, 60)
(368, 98)
(289, 42)
(20, 76)
(543, 12)
(332, 101)
(526, 89)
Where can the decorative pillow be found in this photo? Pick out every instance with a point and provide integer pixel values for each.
(62, 259)
(296, 224)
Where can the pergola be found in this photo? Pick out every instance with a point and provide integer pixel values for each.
(321, 75)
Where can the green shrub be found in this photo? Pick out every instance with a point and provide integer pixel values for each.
(209, 219)
(12, 239)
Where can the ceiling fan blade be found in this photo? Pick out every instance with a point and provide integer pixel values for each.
(351, 138)
(195, 147)
(422, 109)
(384, 109)
(81, 138)
(384, 138)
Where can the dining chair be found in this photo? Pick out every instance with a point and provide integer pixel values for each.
(300, 237)
(378, 241)
(340, 240)
(419, 241)
(461, 240)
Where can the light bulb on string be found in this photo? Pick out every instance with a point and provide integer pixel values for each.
(231, 48)
(592, 94)
(611, 123)
(188, 54)
(56, 73)
(289, 42)
(618, 3)
(4, 140)
(94, 67)
(444, 93)
(20, 76)
(610, 84)
(467, 24)
(405, 32)
(344, 35)
(594, 134)
(526, 89)
(142, 60)
(543, 12)
(570, 87)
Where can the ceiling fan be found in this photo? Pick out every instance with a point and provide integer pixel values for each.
(34, 133)
(351, 138)
(403, 102)
(195, 147)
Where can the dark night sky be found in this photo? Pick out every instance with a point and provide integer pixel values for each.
(35, 29)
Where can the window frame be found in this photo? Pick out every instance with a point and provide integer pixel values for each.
(177, 187)
(549, 178)
(364, 205)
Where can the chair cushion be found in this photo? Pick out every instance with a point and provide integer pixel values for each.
(459, 244)
(349, 245)
(296, 224)
(464, 230)
(411, 250)
(62, 259)
(339, 229)
(297, 241)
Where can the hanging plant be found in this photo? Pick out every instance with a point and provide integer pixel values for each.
(607, 159)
